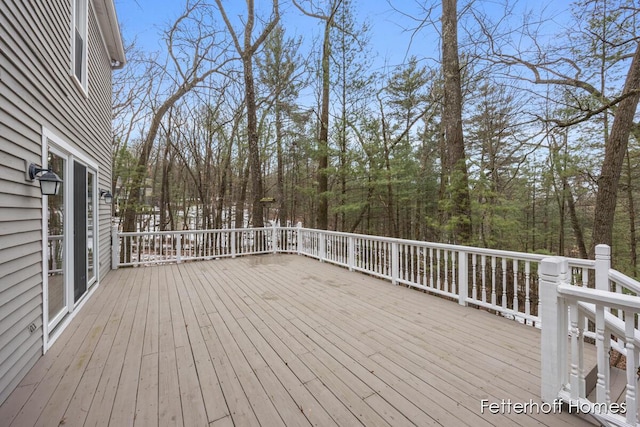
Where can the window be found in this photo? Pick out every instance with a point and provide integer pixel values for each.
(79, 42)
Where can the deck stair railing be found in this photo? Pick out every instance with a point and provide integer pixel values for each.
(611, 308)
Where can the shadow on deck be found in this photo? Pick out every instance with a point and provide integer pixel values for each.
(279, 340)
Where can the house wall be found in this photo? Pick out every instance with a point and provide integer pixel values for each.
(36, 91)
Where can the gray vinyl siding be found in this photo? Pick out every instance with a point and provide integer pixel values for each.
(36, 91)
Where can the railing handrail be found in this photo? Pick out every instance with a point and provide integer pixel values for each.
(172, 232)
(624, 280)
(525, 256)
(599, 297)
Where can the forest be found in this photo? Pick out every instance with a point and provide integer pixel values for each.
(519, 133)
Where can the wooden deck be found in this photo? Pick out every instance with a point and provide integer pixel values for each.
(278, 340)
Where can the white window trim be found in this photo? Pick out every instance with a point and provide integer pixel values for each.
(72, 154)
(83, 84)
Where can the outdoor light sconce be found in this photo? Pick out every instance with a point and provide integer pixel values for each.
(49, 181)
(107, 196)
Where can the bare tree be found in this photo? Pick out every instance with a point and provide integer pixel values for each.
(190, 37)
(614, 152)
(323, 137)
(247, 50)
(609, 38)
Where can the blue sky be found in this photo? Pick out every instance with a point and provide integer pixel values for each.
(144, 20)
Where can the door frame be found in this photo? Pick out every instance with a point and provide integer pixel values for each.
(71, 155)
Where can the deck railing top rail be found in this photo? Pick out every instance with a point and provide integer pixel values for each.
(504, 281)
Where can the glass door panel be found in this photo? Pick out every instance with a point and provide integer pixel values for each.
(56, 256)
(91, 236)
(79, 230)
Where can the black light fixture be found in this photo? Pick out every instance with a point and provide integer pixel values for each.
(107, 196)
(49, 181)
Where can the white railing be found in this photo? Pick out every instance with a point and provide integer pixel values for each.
(147, 248)
(55, 254)
(501, 281)
(611, 309)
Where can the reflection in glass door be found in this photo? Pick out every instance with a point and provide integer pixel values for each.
(91, 228)
(79, 230)
(56, 294)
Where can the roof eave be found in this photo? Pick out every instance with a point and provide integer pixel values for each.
(108, 21)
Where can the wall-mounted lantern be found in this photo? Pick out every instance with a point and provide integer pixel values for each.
(49, 181)
(106, 196)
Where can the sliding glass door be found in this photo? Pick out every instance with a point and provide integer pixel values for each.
(71, 236)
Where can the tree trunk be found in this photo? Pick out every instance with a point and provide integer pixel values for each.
(323, 139)
(282, 203)
(452, 121)
(257, 214)
(615, 149)
(165, 197)
(633, 240)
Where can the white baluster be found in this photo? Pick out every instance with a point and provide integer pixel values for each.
(515, 285)
(576, 354)
(632, 366)
(438, 273)
(453, 272)
(527, 284)
(504, 283)
(602, 381)
(423, 265)
(582, 383)
(483, 276)
(446, 271)
(431, 267)
(493, 281)
(474, 265)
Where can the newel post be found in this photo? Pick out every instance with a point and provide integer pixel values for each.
(351, 252)
(274, 238)
(603, 264)
(233, 244)
(115, 248)
(178, 248)
(299, 237)
(322, 245)
(553, 317)
(463, 278)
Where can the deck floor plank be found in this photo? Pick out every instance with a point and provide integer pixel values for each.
(208, 381)
(193, 408)
(341, 353)
(105, 394)
(148, 386)
(278, 340)
(278, 369)
(124, 406)
(27, 402)
(169, 404)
